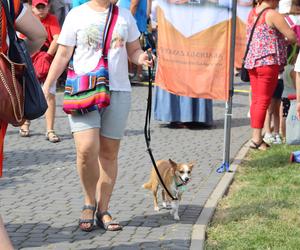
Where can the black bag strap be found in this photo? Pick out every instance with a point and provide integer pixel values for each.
(147, 128)
(252, 32)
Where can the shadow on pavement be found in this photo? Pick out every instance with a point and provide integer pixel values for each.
(20, 159)
(153, 245)
(134, 132)
(72, 235)
(235, 105)
(235, 123)
(31, 235)
(187, 125)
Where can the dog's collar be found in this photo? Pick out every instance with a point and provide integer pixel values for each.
(183, 183)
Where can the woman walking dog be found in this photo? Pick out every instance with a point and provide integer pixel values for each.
(97, 134)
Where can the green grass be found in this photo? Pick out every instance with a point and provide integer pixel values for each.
(262, 208)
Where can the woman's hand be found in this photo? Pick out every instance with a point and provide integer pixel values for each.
(145, 59)
(137, 55)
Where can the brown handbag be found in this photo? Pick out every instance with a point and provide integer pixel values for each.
(11, 91)
(11, 87)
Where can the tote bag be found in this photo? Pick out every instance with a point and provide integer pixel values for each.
(292, 126)
(35, 104)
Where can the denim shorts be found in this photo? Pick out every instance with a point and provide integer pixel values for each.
(110, 120)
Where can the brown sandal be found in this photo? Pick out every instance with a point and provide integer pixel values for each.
(52, 137)
(259, 146)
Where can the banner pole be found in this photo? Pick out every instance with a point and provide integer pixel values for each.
(228, 105)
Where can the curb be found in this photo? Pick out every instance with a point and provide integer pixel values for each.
(199, 228)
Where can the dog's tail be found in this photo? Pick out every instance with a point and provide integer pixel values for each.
(147, 185)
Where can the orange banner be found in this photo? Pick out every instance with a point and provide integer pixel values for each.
(195, 61)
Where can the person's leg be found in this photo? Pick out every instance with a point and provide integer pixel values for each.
(250, 98)
(139, 73)
(263, 83)
(108, 157)
(268, 136)
(5, 242)
(87, 148)
(276, 121)
(256, 132)
(276, 112)
(269, 114)
(50, 117)
(285, 106)
(24, 130)
(113, 123)
(131, 69)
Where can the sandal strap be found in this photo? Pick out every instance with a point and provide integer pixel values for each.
(81, 221)
(52, 136)
(90, 207)
(111, 223)
(101, 214)
(106, 225)
(256, 145)
(50, 132)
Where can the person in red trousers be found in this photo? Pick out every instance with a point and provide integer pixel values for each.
(265, 59)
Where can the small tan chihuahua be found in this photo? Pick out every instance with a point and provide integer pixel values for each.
(175, 177)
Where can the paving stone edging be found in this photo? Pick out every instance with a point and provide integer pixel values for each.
(199, 228)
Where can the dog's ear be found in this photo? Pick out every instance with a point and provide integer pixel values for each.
(173, 163)
(173, 166)
(191, 164)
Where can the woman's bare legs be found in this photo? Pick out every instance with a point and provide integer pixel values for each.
(269, 115)
(87, 148)
(50, 118)
(108, 158)
(276, 115)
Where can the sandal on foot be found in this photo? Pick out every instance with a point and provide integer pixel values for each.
(25, 132)
(87, 221)
(52, 137)
(259, 146)
(108, 226)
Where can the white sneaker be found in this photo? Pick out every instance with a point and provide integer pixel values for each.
(278, 139)
(269, 138)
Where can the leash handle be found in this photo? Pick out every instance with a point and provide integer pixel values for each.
(147, 126)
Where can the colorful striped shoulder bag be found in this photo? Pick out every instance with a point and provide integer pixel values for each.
(90, 91)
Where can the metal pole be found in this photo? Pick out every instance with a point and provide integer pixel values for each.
(228, 105)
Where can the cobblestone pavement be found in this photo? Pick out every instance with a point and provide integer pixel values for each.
(41, 199)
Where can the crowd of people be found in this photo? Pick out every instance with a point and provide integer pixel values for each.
(65, 30)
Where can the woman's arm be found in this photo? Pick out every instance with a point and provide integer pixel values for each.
(53, 46)
(32, 28)
(276, 20)
(58, 65)
(133, 6)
